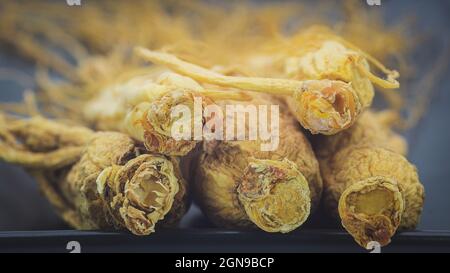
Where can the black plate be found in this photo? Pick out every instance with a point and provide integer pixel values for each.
(214, 240)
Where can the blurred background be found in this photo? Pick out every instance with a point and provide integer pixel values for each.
(23, 208)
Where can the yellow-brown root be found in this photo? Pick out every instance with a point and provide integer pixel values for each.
(151, 123)
(326, 107)
(140, 193)
(144, 189)
(371, 210)
(322, 117)
(275, 195)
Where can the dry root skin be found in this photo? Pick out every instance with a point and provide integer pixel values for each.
(45, 147)
(371, 210)
(368, 184)
(140, 193)
(142, 107)
(321, 106)
(371, 129)
(328, 57)
(325, 107)
(108, 108)
(275, 195)
(239, 186)
(317, 53)
(152, 122)
(144, 188)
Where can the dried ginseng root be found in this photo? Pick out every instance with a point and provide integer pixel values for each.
(238, 185)
(142, 107)
(321, 106)
(368, 183)
(317, 54)
(96, 180)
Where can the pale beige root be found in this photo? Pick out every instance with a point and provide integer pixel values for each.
(188, 163)
(371, 129)
(72, 188)
(369, 156)
(334, 109)
(152, 122)
(107, 110)
(225, 167)
(316, 52)
(48, 135)
(110, 151)
(104, 150)
(143, 106)
(275, 195)
(358, 163)
(321, 106)
(330, 57)
(371, 210)
(326, 56)
(325, 107)
(145, 191)
(39, 143)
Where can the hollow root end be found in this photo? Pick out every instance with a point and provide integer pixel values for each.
(275, 195)
(327, 107)
(371, 210)
(152, 123)
(139, 194)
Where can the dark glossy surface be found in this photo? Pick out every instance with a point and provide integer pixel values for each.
(214, 240)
